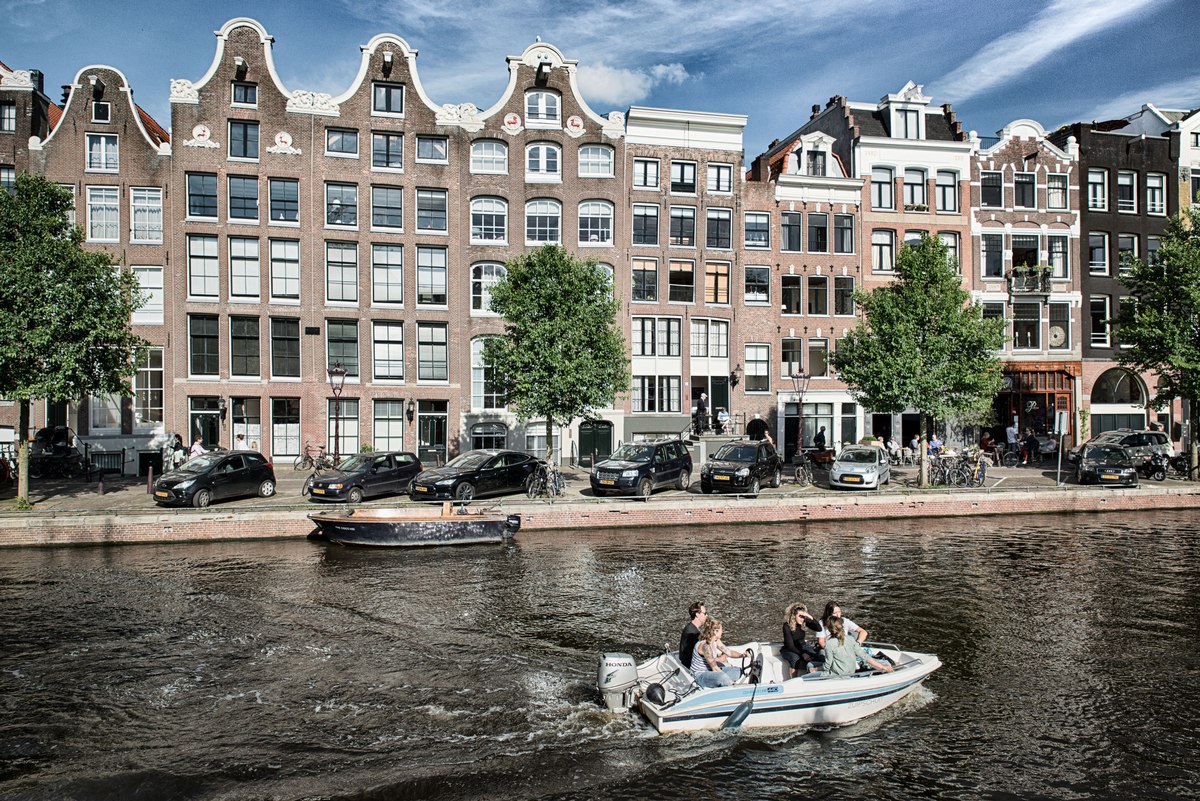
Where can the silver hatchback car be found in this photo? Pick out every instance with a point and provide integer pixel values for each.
(860, 467)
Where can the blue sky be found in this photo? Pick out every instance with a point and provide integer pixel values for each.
(1055, 61)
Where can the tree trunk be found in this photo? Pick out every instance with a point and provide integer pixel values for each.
(549, 439)
(23, 455)
(923, 474)
(1193, 439)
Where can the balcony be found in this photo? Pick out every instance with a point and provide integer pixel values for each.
(1029, 280)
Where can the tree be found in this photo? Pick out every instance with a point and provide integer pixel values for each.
(562, 354)
(1159, 331)
(65, 312)
(922, 344)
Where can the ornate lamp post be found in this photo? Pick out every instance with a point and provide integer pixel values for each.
(337, 382)
(800, 382)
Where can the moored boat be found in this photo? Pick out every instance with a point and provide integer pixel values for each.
(664, 692)
(415, 526)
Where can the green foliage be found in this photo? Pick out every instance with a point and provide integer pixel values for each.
(562, 354)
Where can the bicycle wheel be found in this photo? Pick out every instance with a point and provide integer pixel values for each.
(303, 462)
(534, 487)
(1011, 458)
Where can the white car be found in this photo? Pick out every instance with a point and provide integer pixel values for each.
(860, 467)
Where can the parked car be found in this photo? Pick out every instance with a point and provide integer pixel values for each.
(366, 475)
(1138, 444)
(639, 468)
(474, 474)
(1106, 463)
(216, 476)
(742, 466)
(860, 467)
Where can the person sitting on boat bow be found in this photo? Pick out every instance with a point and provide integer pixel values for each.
(842, 653)
(710, 658)
(798, 653)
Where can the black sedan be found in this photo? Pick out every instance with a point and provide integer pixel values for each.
(1106, 464)
(742, 467)
(474, 474)
(367, 474)
(216, 476)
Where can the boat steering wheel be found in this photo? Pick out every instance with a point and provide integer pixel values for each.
(747, 661)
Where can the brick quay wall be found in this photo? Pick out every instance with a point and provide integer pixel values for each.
(42, 529)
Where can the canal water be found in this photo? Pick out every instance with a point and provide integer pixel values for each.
(298, 670)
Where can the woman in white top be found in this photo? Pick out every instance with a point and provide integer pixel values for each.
(710, 658)
(833, 609)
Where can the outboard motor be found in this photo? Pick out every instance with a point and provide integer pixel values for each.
(617, 680)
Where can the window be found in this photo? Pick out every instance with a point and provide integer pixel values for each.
(950, 240)
(947, 191)
(433, 149)
(431, 276)
(543, 163)
(431, 209)
(489, 221)
(1156, 197)
(1060, 326)
(656, 393)
(758, 230)
(683, 177)
(716, 282)
(489, 156)
(1152, 245)
(243, 140)
(657, 336)
(1097, 186)
(645, 279)
(683, 226)
(105, 412)
(341, 272)
(849, 422)
(341, 142)
(914, 190)
(484, 276)
(486, 392)
(285, 426)
(1027, 326)
(720, 178)
(720, 229)
(432, 352)
(1098, 254)
(203, 269)
(645, 173)
(285, 348)
(1059, 265)
(244, 280)
(645, 225)
(387, 99)
(595, 161)
(883, 251)
(243, 197)
(203, 344)
(342, 415)
(146, 208)
(285, 199)
(202, 194)
(243, 347)
(245, 94)
(681, 281)
(8, 116)
(758, 368)
(389, 425)
(991, 190)
(595, 223)
(818, 294)
(148, 389)
(1024, 250)
(1098, 312)
(790, 231)
(150, 284)
(992, 255)
(388, 350)
(8, 183)
(791, 352)
(1024, 190)
(341, 345)
(1056, 191)
(908, 123)
(387, 274)
(843, 233)
(710, 338)
(285, 269)
(387, 151)
(1127, 251)
(818, 358)
(843, 295)
(387, 207)
(814, 163)
(102, 153)
(818, 232)
(882, 188)
(1126, 191)
(341, 204)
(793, 295)
(543, 222)
(758, 284)
(542, 110)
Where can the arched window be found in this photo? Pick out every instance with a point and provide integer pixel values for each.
(542, 110)
(1118, 386)
(543, 222)
(595, 161)
(489, 436)
(489, 156)
(484, 276)
(595, 223)
(485, 392)
(489, 221)
(543, 162)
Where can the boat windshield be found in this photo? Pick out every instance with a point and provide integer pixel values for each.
(857, 456)
(737, 453)
(632, 453)
(468, 461)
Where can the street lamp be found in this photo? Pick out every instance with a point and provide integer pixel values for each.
(337, 382)
(800, 382)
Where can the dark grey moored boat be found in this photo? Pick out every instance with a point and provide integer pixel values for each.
(417, 525)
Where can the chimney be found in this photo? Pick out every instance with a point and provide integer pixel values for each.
(66, 87)
(816, 109)
(38, 80)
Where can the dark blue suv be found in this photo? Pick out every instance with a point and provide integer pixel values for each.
(639, 468)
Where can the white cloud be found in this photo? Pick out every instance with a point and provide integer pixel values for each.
(1181, 94)
(1061, 24)
(619, 87)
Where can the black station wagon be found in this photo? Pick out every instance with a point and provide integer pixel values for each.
(367, 474)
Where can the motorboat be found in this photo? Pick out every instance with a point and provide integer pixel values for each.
(416, 525)
(664, 692)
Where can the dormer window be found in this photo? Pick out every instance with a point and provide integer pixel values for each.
(101, 112)
(387, 99)
(542, 110)
(908, 124)
(815, 163)
(245, 94)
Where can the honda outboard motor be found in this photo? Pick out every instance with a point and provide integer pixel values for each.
(617, 680)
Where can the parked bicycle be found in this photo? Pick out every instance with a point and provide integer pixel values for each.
(313, 457)
(546, 481)
(802, 469)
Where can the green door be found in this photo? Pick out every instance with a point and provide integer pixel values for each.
(595, 441)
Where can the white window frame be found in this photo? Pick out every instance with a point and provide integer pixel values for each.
(150, 285)
(108, 156)
(379, 189)
(1097, 189)
(387, 350)
(425, 138)
(203, 267)
(285, 271)
(378, 112)
(1127, 178)
(759, 218)
(104, 213)
(643, 170)
(1031, 178)
(341, 275)
(146, 215)
(1156, 194)
(598, 215)
(433, 276)
(484, 276)
(387, 274)
(245, 268)
(488, 208)
(542, 207)
(342, 132)
(1058, 183)
(719, 179)
(543, 109)
(946, 187)
(485, 163)
(596, 161)
(537, 163)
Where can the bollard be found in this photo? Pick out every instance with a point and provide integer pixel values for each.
(150, 480)
(100, 483)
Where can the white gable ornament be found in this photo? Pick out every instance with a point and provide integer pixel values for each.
(464, 115)
(574, 127)
(615, 126)
(182, 91)
(307, 102)
(19, 79)
(283, 145)
(201, 137)
(512, 124)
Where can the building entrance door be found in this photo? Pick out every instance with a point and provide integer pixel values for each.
(431, 431)
(595, 441)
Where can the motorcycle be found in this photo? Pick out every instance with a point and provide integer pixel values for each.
(1179, 465)
(1155, 467)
